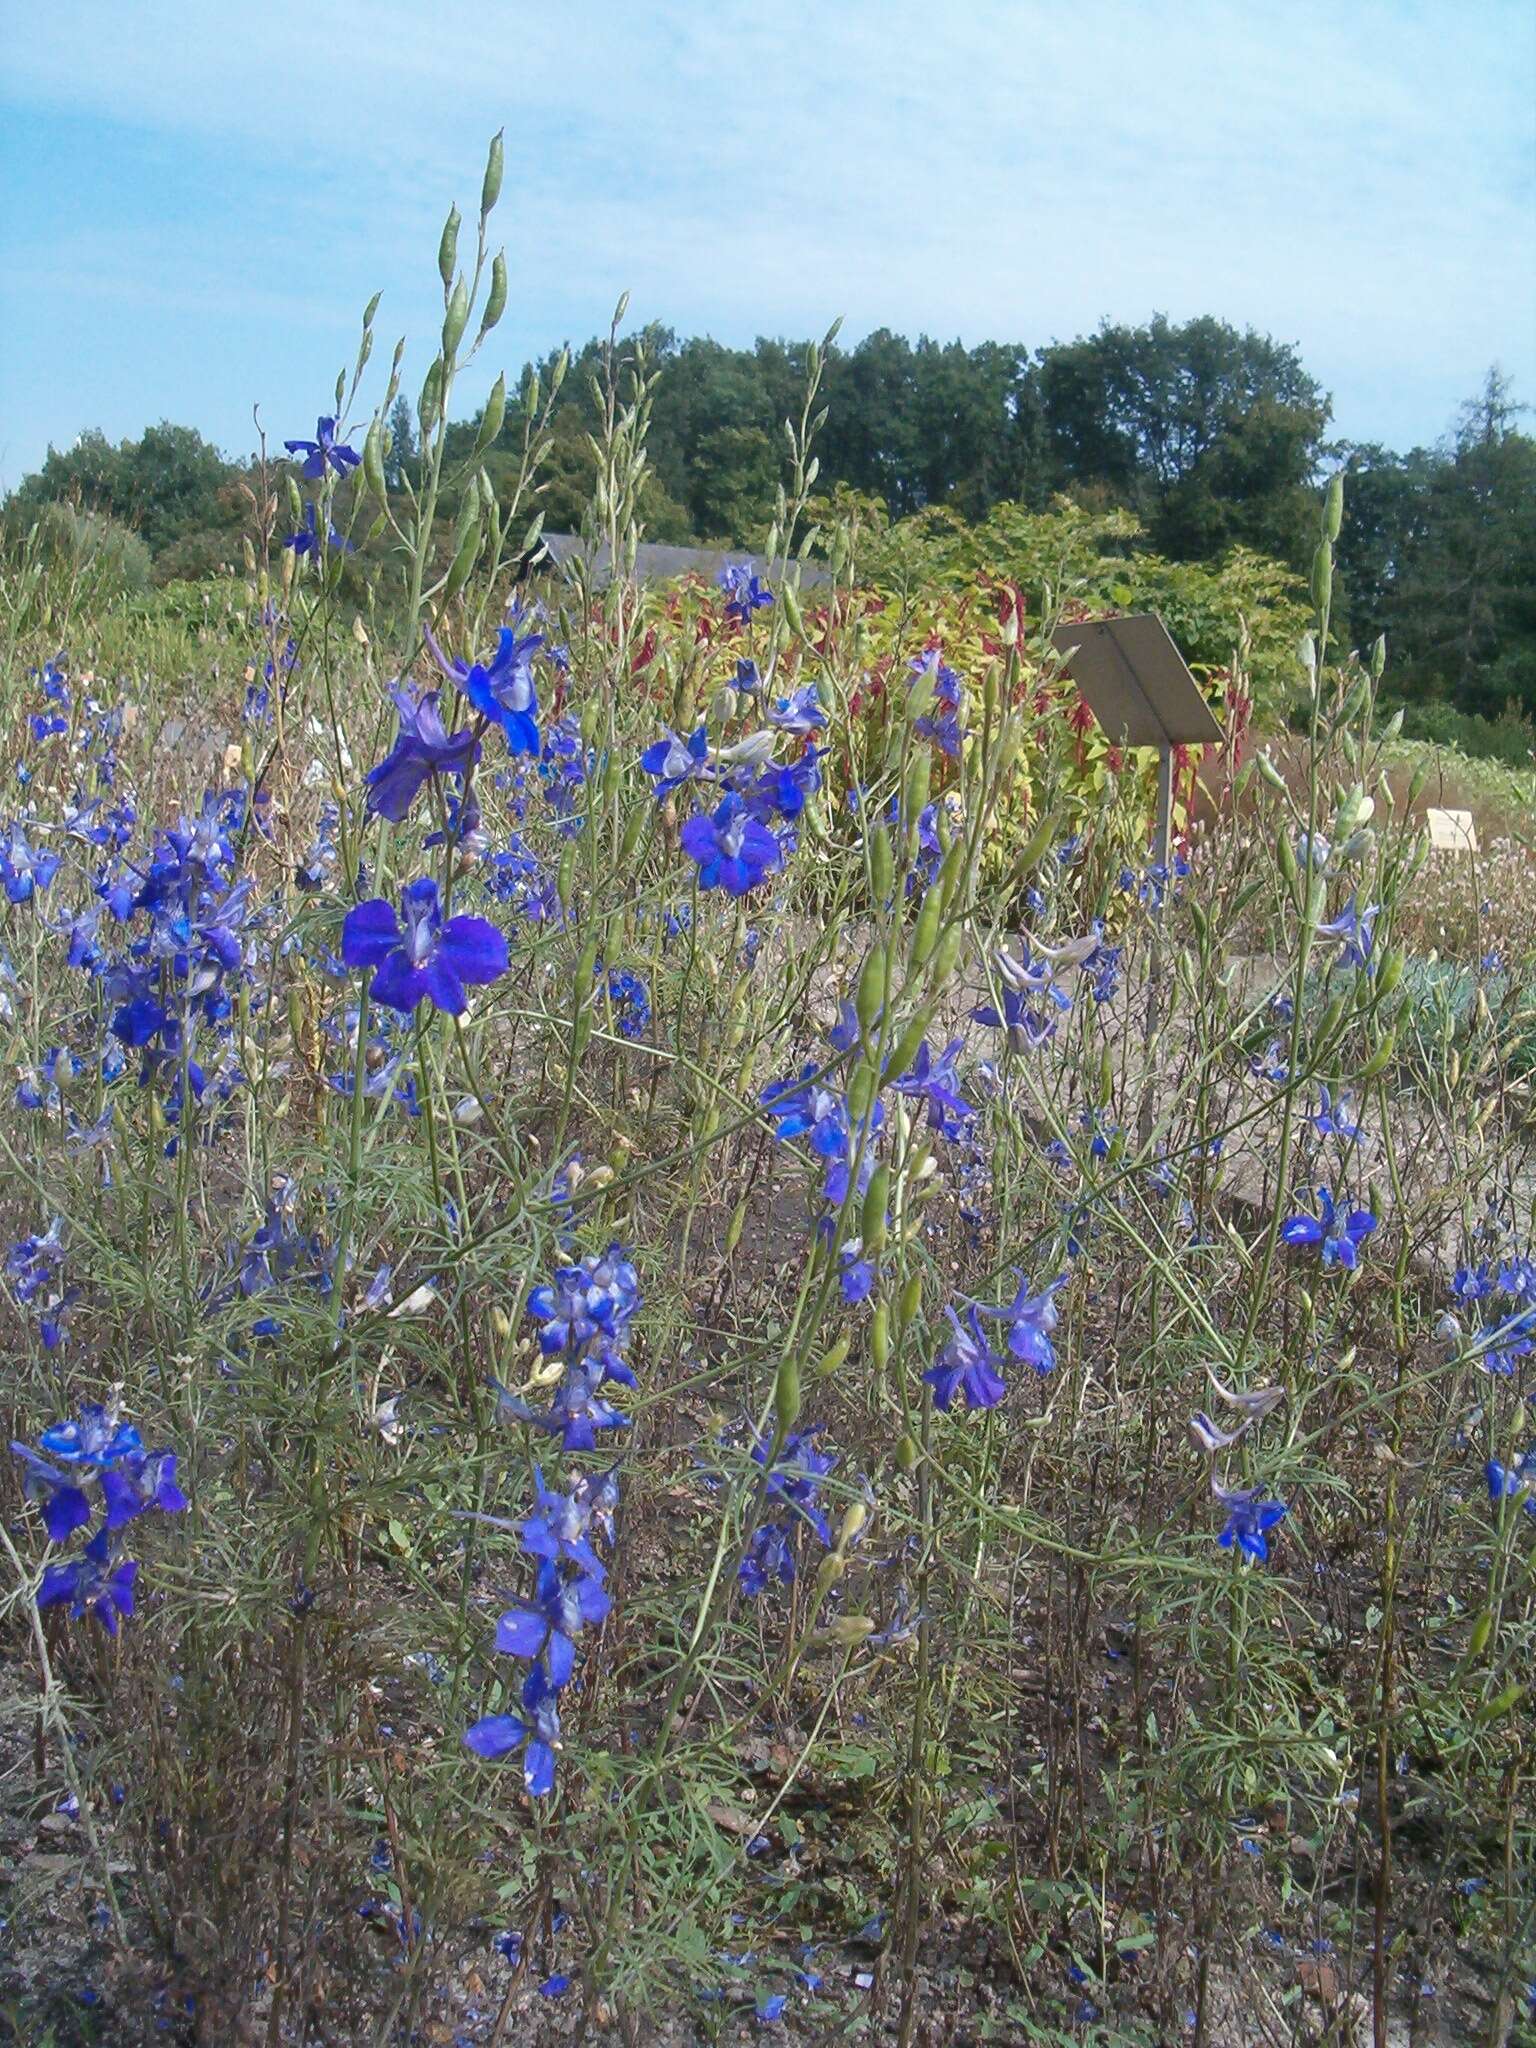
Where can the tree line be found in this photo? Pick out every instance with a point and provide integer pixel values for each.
(1211, 436)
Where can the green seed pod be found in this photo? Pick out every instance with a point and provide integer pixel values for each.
(1331, 1019)
(496, 305)
(490, 184)
(907, 1045)
(1496, 1709)
(464, 560)
(1037, 842)
(925, 933)
(855, 1515)
(1322, 577)
(1417, 781)
(448, 247)
(911, 1301)
(831, 1360)
(792, 612)
(1379, 657)
(882, 865)
(1285, 857)
(1270, 772)
(373, 461)
(586, 967)
(828, 1572)
(951, 872)
(874, 984)
(919, 774)
(566, 874)
(632, 834)
(877, 1199)
(736, 1225)
(429, 405)
(786, 1394)
(906, 1453)
(1104, 1090)
(1390, 973)
(295, 503)
(880, 1337)
(456, 319)
(863, 1086)
(491, 419)
(848, 1630)
(947, 958)
(1333, 506)
(1482, 1629)
(1380, 1058)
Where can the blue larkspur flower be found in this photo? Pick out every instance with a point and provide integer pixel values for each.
(734, 850)
(1340, 1235)
(419, 956)
(324, 452)
(502, 689)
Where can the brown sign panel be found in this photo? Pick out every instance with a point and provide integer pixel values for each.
(1135, 682)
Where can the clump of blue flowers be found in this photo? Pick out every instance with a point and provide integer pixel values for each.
(103, 1451)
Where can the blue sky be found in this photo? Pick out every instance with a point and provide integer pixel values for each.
(197, 200)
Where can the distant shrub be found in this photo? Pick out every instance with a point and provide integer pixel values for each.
(1510, 737)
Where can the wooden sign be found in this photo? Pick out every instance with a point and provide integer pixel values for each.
(1136, 683)
(1451, 831)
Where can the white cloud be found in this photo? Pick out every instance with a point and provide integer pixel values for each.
(1358, 179)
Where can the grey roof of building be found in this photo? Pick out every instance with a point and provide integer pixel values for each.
(656, 562)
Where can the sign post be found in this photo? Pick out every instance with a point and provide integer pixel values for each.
(1139, 688)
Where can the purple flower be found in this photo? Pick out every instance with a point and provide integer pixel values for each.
(423, 748)
(92, 1584)
(967, 1365)
(557, 1531)
(1340, 1236)
(307, 540)
(745, 592)
(418, 956)
(545, 1628)
(799, 712)
(65, 1507)
(324, 450)
(502, 689)
(1332, 1117)
(497, 1735)
(1249, 1519)
(144, 1479)
(673, 761)
(1031, 1318)
(1355, 931)
(575, 1414)
(98, 1439)
(24, 868)
(733, 849)
(934, 1082)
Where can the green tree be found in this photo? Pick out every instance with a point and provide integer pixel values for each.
(1211, 435)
